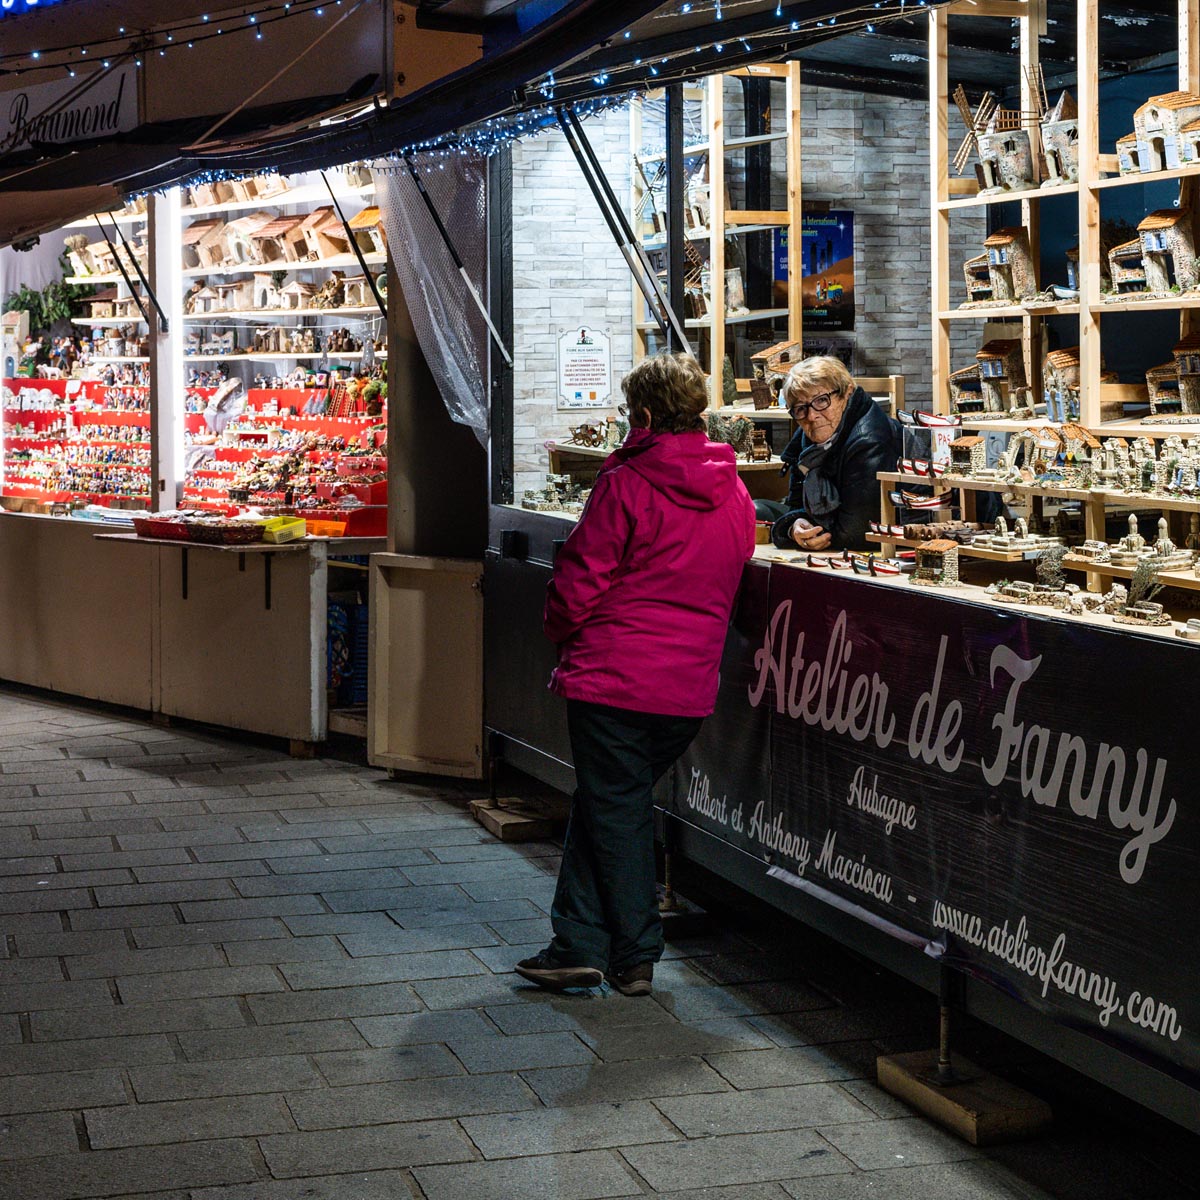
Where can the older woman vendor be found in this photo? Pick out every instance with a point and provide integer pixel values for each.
(843, 439)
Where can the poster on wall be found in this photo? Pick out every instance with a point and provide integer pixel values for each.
(827, 283)
(945, 789)
(584, 367)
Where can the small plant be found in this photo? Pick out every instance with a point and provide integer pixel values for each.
(728, 383)
(1144, 584)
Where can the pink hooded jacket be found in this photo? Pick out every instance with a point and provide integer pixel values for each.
(644, 587)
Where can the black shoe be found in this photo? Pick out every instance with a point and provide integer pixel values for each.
(544, 970)
(635, 980)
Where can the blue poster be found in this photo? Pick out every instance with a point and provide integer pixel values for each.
(827, 286)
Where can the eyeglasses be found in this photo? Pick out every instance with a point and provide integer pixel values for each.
(622, 410)
(818, 404)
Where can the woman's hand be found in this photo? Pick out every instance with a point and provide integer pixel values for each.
(810, 537)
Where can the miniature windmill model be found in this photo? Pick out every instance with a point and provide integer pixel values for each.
(976, 122)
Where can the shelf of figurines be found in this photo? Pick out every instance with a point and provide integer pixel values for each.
(334, 262)
(1149, 427)
(996, 312)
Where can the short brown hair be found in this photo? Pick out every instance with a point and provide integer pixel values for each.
(822, 372)
(673, 388)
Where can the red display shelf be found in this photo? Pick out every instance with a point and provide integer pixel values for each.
(90, 416)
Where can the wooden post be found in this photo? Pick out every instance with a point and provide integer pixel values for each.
(1032, 24)
(640, 340)
(716, 228)
(164, 220)
(1189, 81)
(795, 205)
(1087, 58)
(939, 217)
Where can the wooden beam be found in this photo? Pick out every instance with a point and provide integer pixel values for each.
(756, 217)
(716, 223)
(795, 160)
(1088, 58)
(1009, 9)
(939, 191)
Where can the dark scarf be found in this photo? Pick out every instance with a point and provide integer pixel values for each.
(821, 495)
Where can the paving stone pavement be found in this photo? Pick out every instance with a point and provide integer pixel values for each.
(230, 975)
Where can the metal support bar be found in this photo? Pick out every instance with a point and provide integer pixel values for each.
(676, 225)
(362, 262)
(129, 282)
(614, 216)
(458, 262)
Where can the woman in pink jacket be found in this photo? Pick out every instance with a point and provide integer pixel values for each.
(639, 606)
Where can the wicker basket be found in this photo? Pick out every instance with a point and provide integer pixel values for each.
(160, 527)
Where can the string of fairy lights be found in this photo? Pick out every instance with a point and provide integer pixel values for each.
(127, 44)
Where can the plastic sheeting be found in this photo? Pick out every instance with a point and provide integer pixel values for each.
(452, 334)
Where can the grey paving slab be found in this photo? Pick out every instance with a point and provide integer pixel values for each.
(240, 910)
(185, 985)
(51, 900)
(13, 867)
(79, 1054)
(238, 851)
(476, 991)
(31, 1135)
(120, 1172)
(666, 1041)
(783, 1067)
(164, 893)
(362, 860)
(23, 997)
(463, 872)
(185, 871)
(460, 834)
(26, 923)
(10, 843)
(735, 1159)
(259, 804)
(882, 1103)
(367, 900)
(119, 1020)
(188, 1081)
(393, 1062)
(414, 1028)
(377, 1148)
(415, 1100)
(587, 1176)
(464, 912)
(390, 968)
(642, 1079)
(801, 1107)
(521, 933)
(560, 1130)
(160, 812)
(62, 1090)
(59, 825)
(186, 1121)
(266, 1041)
(72, 821)
(395, 940)
(951, 1181)
(156, 839)
(285, 950)
(313, 882)
(95, 860)
(908, 1142)
(29, 970)
(113, 962)
(481, 1055)
(503, 958)
(132, 917)
(312, 829)
(487, 851)
(338, 923)
(203, 932)
(332, 1003)
(368, 1185)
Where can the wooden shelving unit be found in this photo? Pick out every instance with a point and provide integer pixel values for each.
(724, 222)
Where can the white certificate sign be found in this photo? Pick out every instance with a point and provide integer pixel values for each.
(584, 367)
(85, 109)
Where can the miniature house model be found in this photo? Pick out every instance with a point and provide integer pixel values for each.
(1126, 268)
(266, 292)
(1080, 453)
(1060, 142)
(235, 294)
(1005, 158)
(1001, 374)
(978, 278)
(1162, 386)
(1042, 449)
(275, 241)
(325, 234)
(240, 246)
(355, 293)
(368, 231)
(193, 235)
(1073, 269)
(1161, 134)
(968, 456)
(1060, 381)
(937, 562)
(966, 391)
(297, 294)
(102, 304)
(1168, 250)
(1010, 265)
(1187, 364)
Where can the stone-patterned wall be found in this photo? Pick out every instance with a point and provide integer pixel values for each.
(866, 153)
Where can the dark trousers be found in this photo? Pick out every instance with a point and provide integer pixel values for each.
(605, 911)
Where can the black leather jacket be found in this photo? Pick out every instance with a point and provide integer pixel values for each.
(868, 441)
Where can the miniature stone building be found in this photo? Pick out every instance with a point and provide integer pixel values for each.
(1168, 249)
(1131, 549)
(355, 293)
(368, 231)
(240, 246)
(266, 292)
(1165, 555)
(978, 279)
(1187, 366)
(276, 241)
(1010, 264)
(1126, 269)
(1060, 142)
(102, 303)
(1158, 140)
(192, 238)
(1081, 454)
(1005, 157)
(1002, 374)
(966, 391)
(1060, 379)
(1162, 386)
(775, 360)
(937, 563)
(968, 456)
(325, 234)
(1041, 449)
(1073, 268)
(235, 294)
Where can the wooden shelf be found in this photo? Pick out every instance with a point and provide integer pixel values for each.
(997, 312)
(373, 259)
(1180, 577)
(1144, 177)
(981, 552)
(1062, 189)
(262, 357)
(271, 314)
(1150, 304)
(107, 322)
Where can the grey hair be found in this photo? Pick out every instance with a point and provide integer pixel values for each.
(822, 373)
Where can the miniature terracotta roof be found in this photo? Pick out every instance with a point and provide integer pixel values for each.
(1073, 253)
(1064, 110)
(209, 292)
(1165, 370)
(298, 285)
(980, 260)
(1171, 101)
(1188, 345)
(1004, 237)
(963, 442)
(367, 219)
(966, 372)
(1163, 218)
(100, 297)
(277, 227)
(1064, 358)
(251, 223)
(776, 350)
(1117, 441)
(199, 230)
(1191, 126)
(999, 348)
(319, 218)
(1128, 249)
(1129, 137)
(1078, 433)
(938, 546)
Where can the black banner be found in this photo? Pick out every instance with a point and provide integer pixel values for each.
(1017, 795)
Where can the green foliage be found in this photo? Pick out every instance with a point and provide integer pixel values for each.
(728, 382)
(1144, 584)
(58, 301)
